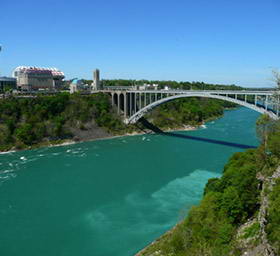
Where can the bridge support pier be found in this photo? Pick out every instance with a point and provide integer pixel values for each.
(277, 106)
(145, 99)
(125, 105)
(119, 103)
(130, 104)
(135, 102)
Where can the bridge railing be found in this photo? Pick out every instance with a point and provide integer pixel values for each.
(132, 89)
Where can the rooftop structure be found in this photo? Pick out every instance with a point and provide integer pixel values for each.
(54, 71)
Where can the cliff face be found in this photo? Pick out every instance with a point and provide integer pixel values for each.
(252, 237)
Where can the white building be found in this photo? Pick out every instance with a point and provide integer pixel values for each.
(148, 87)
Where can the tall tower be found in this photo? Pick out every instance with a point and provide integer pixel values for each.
(96, 80)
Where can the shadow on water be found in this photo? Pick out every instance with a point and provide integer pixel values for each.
(155, 129)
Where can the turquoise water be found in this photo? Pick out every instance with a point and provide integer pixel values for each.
(110, 197)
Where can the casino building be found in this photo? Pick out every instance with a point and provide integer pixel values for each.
(35, 78)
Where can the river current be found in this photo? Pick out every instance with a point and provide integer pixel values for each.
(111, 197)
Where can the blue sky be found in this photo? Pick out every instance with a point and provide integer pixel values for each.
(217, 41)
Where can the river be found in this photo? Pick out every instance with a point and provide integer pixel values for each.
(111, 197)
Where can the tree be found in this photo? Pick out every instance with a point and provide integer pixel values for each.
(274, 143)
(263, 124)
(25, 134)
(276, 96)
(276, 78)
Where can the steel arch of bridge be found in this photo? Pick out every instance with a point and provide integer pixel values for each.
(133, 104)
(135, 117)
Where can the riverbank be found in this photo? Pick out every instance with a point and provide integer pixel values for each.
(91, 132)
(67, 142)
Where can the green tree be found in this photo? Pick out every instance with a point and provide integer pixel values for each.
(25, 134)
(231, 204)
(263, 126)
(274, 143)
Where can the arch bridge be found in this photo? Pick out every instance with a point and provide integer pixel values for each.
(133, 104)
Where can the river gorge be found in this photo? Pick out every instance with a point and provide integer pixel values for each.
(112, 197)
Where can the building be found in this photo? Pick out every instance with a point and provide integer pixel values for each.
(35, 78)
(96, 85)
(147, 87)
(78, 86)
(58, 77)
(7, 83)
